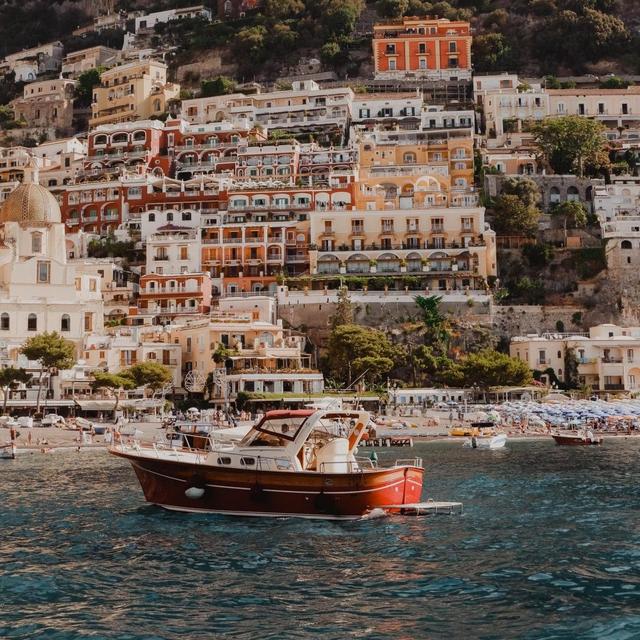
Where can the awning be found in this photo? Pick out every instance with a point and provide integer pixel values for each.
(96, 405)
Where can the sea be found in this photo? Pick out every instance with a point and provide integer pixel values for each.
(548, 547)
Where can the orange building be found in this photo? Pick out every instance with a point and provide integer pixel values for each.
(432, 49)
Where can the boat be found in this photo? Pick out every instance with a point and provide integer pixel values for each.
(53, 420)
(577, 438)
(8, 451)
(297, 463)
(489, 441)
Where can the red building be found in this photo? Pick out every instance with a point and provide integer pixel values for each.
(432, 49)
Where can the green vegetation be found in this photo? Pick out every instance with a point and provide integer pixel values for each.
(86, 82)
(572, 144)
(52, 351)
(113, 382)
(359, 354)
(10, 378)
(149, 374)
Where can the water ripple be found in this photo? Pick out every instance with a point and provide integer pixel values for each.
(548, 548)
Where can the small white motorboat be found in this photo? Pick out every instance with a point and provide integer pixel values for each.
(53, 420)
(496, 441)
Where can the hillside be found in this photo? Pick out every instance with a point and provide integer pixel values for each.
(534, 37)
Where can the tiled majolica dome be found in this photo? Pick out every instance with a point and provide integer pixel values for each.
(30, 202)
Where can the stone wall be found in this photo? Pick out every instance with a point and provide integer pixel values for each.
(564, 187)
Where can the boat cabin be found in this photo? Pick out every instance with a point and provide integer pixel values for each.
(303, 440)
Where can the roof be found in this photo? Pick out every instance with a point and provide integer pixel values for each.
(30, 202)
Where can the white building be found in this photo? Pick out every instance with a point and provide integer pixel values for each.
(150, 20)
(174, 250)
(39, 290)
(617, 206)
(608, 357)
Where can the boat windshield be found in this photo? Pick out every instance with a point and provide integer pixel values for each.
(274, 432)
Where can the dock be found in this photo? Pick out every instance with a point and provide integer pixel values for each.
(430, 507)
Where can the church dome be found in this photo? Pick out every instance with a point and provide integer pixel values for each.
(30, 202)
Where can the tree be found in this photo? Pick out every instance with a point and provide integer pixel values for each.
(490, 52)
(572, 213)
(10, 378)
(52, 351)
(86, 83)
(249, 45)
(514, 217)
(489, 368)
(149, 374)
(438, 329)
(392, 8)
(359, 353)
(218, 87)
(114, 382)
(330, 53)
(568, 143)
(283, 9)
(525, 188)
(344, 309)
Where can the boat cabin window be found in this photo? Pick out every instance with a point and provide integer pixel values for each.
(247, 461)
(224, 460)
(274, 432)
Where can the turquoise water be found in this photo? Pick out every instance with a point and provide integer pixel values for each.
(548, 547)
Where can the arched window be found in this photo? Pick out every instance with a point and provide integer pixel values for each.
(186, 215)
(4, 322)
(32, 322)
(65, 323)
(36, 242)
(156, 105)
(169, 217)
(152, 217)
(625, 244)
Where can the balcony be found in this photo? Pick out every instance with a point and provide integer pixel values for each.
(611, 360)
(160, 258)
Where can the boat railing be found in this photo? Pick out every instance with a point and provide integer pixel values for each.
(408, 462)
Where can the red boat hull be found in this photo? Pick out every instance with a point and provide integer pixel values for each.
(264, 493)
(573, 441)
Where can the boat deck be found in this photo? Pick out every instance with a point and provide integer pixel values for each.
(430, 507)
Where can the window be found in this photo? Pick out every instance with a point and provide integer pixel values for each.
(169, 217)
(452, 47)
(184, 253)
(43, 271)
(625, 108)
(152, 217)
(422, 48)
(88, 321)
(392, 65)
(391, 49)
(188, 345)
(65, 323)
(36, 242)
(423, 63)
(32, 322)
(4, 322)
(600, 107)
(186, 215)
(542, 357)
(92, 284)
(581, 109)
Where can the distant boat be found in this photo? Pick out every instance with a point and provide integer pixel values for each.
(496, 441)
(577, 438)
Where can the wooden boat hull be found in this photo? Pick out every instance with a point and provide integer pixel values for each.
(576, 441)
(182, 486)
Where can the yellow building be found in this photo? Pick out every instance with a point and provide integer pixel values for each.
(135, 91)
